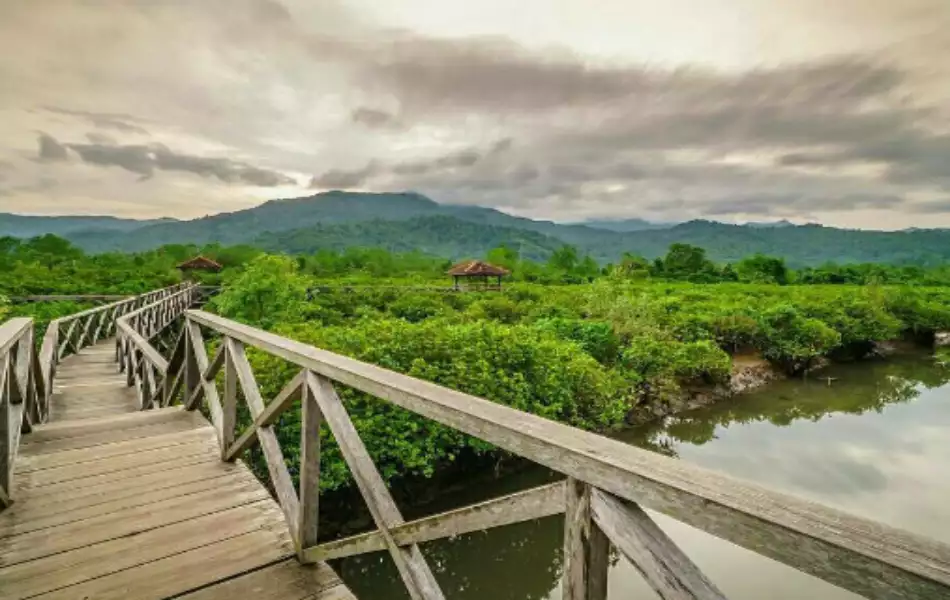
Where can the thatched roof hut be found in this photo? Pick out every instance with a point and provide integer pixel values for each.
(475, 272)
(199, 263)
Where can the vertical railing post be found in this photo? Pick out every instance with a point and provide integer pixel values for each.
(5, 432)
(229, 400)
(586, 548)
(191, 374)
(309, 489)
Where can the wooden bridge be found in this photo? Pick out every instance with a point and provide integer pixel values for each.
(116, 486)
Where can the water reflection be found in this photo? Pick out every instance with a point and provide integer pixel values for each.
(873, 443)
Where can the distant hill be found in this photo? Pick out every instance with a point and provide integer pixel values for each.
(437, 235)
(402, 221)
(769, 224)
(25, 226)
(624, 225)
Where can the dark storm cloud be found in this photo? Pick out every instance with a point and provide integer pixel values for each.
(50, 149)
(145, 159)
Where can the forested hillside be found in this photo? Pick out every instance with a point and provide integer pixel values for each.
(24, 226)
(408, 221)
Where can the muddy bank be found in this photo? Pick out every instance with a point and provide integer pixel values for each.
(750, 372)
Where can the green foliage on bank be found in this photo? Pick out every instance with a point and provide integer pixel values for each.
(580, 353)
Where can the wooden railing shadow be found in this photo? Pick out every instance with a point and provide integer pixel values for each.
(606, 481)
(27, 372)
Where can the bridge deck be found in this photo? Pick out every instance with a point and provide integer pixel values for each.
(116, 503)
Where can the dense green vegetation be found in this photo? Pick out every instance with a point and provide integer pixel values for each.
(573, 340)
(587, 353)
(405, 221)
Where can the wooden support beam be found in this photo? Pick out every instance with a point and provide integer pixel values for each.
(209, 391)
(267, 437)
(523, 506)
(309, 488)
(412, 566)
(229, 399)
(810, 537)
(586, 549)
(268, 416)
(671, 574)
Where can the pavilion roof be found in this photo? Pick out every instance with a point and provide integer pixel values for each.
(470, 268)
(200, 262)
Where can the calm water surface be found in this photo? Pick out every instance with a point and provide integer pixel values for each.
(875, 443)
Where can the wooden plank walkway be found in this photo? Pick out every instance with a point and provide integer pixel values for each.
(116, 503)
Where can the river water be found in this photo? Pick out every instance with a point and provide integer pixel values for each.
(876, 443)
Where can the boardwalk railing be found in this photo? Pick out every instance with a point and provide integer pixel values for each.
(26, 374)
(607, 482)
(143, 365)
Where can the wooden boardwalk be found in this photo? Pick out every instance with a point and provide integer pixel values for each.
(113, 502)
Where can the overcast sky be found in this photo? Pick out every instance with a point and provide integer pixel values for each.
(733, 110)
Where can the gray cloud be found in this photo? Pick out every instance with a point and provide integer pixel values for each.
(796, 204)
(100, 138)
(115, 121)
(342, 179)
(372, 118)
(598, 136)
(445, 164)
(930, 207)
(50, 149)
(145, 159)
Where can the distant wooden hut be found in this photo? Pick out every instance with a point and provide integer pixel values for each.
(476, 274)
(198, 263)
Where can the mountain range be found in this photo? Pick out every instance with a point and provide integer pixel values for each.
(407, 221)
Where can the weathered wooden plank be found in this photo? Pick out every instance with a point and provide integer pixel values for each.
(85, 492)
(309, 489)
(144, 458)
(883, 562)
(109, 437)
(110, 451)
(131, 521)
(671, 574)
(532, 504)
(412, 566)
(54, 431)
(19, 523)
(586, 549)
(286, 580)
(81, 485)
(181, 573)
(69, 568)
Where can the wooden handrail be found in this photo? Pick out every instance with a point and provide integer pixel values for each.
(17, 395)
(144, 366)
(607, 482)
(26, 374)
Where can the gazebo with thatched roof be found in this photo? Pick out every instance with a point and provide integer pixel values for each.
(477, 275)
(199, 263)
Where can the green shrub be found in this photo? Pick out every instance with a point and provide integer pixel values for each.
(518, 366)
